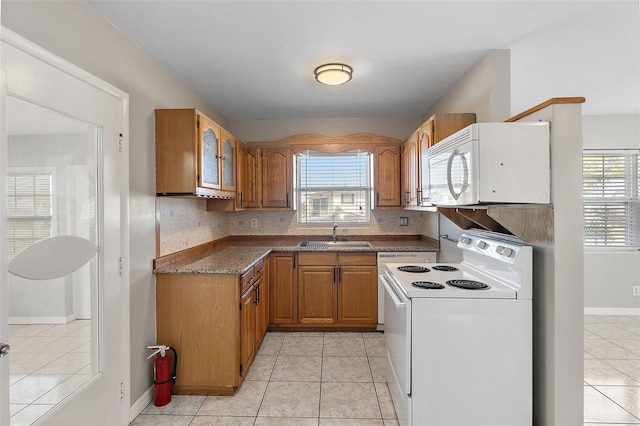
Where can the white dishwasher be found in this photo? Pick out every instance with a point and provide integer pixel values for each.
(406, 257)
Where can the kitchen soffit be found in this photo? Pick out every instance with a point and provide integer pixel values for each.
(255, 59)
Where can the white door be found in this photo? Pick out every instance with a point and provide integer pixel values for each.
(64, 173)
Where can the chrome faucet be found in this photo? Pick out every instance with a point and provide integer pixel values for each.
(334, 237)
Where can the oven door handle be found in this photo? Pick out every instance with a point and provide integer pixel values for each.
(389, 288)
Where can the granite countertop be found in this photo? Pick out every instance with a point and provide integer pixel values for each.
(237, 257)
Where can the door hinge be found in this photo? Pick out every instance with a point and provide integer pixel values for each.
(121, 266)
(121, 391)
(120, 143)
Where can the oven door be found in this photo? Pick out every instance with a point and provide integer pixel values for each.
(397, 324)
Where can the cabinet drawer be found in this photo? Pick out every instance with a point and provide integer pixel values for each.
(323, 258)
(247, 280)
(360, 259)
(258, 269)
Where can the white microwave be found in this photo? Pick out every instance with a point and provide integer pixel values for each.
(491, 163)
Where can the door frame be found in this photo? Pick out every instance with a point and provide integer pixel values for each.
(122, 97)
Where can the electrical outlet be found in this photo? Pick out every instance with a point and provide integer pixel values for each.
(254, 222)
(636, 290)
(404, 221)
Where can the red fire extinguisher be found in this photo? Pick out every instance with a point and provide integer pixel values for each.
(163, 375)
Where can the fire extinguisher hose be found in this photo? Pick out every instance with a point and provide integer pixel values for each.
(171, 379)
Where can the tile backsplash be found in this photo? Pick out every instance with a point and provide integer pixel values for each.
(185, 223)
(382, 222)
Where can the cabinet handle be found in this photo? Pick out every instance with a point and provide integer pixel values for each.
(377, 198)
(419, 196)
(240, 199)
(251, 280)
(339, 275)
(260, 270)
(287, 199)
(334, 275)
(406, 198)
(256, 298)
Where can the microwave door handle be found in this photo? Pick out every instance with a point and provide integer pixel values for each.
(465, 182)
(452, 191)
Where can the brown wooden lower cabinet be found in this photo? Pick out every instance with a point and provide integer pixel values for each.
(324, 290)
(283, 301)
(261, 289)
(214, 325)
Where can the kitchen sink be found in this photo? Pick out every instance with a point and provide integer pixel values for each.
(330, 244)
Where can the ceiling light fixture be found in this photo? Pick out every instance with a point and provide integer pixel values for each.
(333, 74)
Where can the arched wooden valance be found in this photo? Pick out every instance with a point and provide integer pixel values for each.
(329, 144)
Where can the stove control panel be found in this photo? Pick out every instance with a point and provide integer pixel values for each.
(480, 246)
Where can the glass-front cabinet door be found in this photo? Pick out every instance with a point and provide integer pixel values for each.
(209, 147)
(228, 162)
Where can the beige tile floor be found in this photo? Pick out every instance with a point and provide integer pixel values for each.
(612, 370)
(47, 362)
(306, 378)
(338, 379)
(319, 379)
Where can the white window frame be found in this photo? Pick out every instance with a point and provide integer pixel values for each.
(368, 196)
(620, 195)
(53, 218)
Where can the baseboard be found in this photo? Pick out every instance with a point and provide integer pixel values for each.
(141, 403)
(42, 320)
(612, 311)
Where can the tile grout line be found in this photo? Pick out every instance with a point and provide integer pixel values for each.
(630, 413)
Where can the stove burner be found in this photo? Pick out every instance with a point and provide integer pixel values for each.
(469, 284)
(446, 268)
(428, 285)
(413, 268)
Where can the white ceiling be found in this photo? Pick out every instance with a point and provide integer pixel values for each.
(255, 59)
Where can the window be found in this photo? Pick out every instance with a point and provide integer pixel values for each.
(333, 187)
(29, 210)
(611, 203)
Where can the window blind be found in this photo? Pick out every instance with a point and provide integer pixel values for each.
(29, 210)
(333, 187)
(611, 203)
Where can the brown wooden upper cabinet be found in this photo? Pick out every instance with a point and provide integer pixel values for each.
(265, 178)
(194, 155)
(414, 152)
(410, 172)
(249, 177)
(227, 162)
(386, 170)
(277, 177)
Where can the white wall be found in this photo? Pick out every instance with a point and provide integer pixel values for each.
(484, 90)
(602, 294)
(73, 31)
(552, 63)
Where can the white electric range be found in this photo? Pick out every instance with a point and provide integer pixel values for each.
(459, 336)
